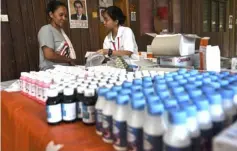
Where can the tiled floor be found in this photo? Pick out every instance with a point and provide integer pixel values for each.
(6, 84)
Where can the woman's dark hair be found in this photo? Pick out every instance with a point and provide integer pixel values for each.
(54, 5)
(77, 2)
(115, 13)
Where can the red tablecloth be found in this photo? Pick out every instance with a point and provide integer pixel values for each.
(24, 128)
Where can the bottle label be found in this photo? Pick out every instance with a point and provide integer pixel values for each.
(98, 119)
(206, 140)
(69, 111)
(32, 89)
(120, 133)
(27, 87)
(24, 86)
(218, 127)
(196, 144)
(135, 138)
(169, 148)
(107, 125)
(152, 143)
(79, 110)
(88, 114)
(44, 94)
(54, 113)
(40, 93)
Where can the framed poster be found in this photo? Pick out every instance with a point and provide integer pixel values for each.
(78, 13)
(105, 3)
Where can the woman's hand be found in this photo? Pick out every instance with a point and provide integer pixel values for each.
(103, 51)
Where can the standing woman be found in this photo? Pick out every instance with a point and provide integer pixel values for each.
(54, 45)
(120, 41)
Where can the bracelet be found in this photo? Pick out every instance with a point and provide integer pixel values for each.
(110, 52)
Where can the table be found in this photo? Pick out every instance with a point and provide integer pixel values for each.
(24, 128)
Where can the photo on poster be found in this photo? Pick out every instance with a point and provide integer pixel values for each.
(105, 3)
(78, 13)
(101, 11)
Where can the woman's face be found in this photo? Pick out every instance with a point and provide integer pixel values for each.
(59, 16)
(78, 8)
(109, 23)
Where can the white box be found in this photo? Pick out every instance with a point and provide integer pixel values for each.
(173, 44)
(226, 140)
(184, 61)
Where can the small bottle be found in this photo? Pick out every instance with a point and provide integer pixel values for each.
(46, 85)
(195, 93)
(234, 88)
(53, 107)
(127, 84)
(204, 122)
(154, 128)
(137, 82)
(177, 136)
(107, 113)
(228, 105)
(120, 123)
(79, 102)
(217, 112)
(136, 88)
(148, 91)
(33, 87)
(69, 105)
(193, 127)
(99, 109)
(89, 106)
(116, 88)
(135, 125)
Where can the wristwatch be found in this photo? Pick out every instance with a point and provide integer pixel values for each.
(110, 52)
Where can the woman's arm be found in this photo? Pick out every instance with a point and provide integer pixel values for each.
(116, 53)
(50, 55)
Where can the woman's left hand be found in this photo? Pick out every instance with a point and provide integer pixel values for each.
(103, 51)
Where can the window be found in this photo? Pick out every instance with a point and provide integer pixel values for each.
(214, 15)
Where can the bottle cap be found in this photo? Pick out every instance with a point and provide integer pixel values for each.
(223, 83)
(182, 71)
(148, 91)
(147, 84)
(173, 84)
(137, 82)
(68, 91)
(116, 88)
(153, 99)
(195, 93)
(177, 117)
(214, 98)
(52, 93)
(178, 77)
(191, 110)
(125, 92)
(160, 87)
(139, 104)
(89, 92)
(191, 79)
(183, 97)
(102, 91)
(227, 94)
(147, 79)
(206, 80)
(122, 99)
(189, 87)
(127, 84)
(170, 103)
(164, 94)
(201, 103)
(136, 88)
(156, 109)
(137, 95)
(177, 90)
(111, 96)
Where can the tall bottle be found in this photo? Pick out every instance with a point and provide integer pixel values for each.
(177, 137)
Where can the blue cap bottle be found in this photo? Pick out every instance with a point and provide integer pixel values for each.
(186, 75)
(177, 90)
(148, 91)
(147, 84)
(164, 94)
(189, 87)
(137, 82)
(178, 120)
(208, 88)
(147, 79)
(206, 80)
(116, 88)
(191, 79)
(183, 81)
(183, 97)
(127, 84)
(223, 82)
(170, 103)
(195, 93)
(136, 88)
(182, 71)
(173, 84)
(178, 77)
(125, 92)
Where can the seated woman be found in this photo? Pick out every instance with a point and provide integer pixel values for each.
(120, 41)
(54, 45)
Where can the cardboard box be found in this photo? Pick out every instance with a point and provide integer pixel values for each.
(185, 61)
(173, 44)
(226, 140)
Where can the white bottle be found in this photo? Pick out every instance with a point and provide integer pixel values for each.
(228, 105)
(107, 113)
(193, 127)
(204, 122)
(154, 128)
(120, 123)
(99, 109)
(135, 125)
(234, 88)
(216, 112)
(177, 137)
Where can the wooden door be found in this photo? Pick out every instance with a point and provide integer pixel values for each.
(124, 5)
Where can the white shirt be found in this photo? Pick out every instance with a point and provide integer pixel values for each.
(125, 40)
